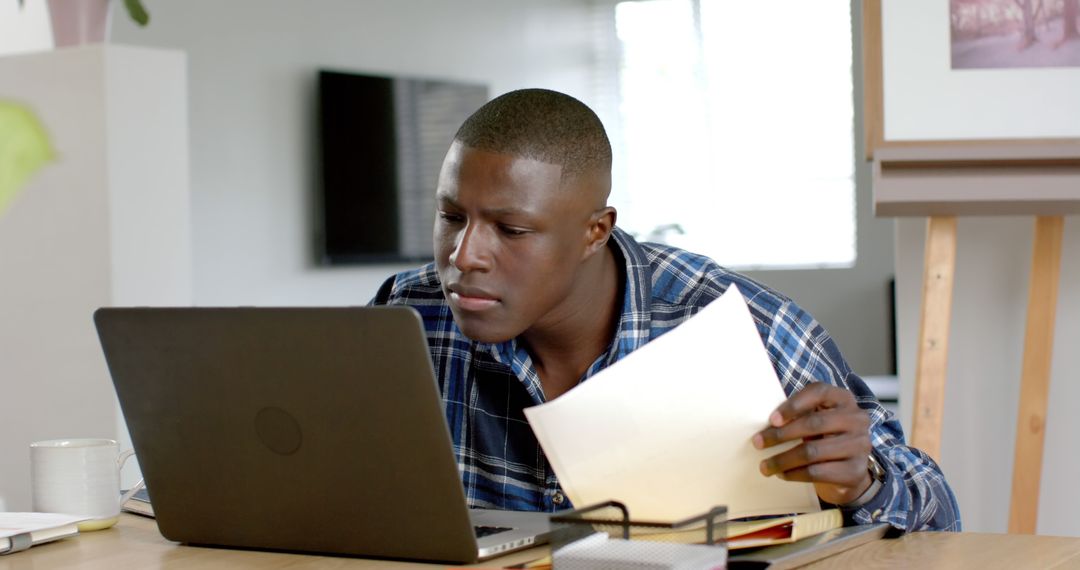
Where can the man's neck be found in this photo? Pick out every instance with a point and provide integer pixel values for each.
(562, 353)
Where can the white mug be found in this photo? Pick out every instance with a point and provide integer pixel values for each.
(79, 477)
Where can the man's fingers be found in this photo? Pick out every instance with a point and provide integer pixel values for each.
(835, 441)
(814, 396)
(846, 473)
(815, 424)
(822, 451)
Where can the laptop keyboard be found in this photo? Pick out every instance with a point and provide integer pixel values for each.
(482, 531)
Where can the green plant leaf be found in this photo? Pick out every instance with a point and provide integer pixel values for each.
(137, 12)
(24, 148)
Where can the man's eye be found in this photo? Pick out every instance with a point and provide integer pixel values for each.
(512, 231)
(451, 218)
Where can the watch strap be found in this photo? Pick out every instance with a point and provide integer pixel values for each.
(877, 481)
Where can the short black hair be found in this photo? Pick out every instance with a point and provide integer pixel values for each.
(542, 125)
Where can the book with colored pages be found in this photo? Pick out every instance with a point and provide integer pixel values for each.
(781, 530)
(756, 532)
(19, 531)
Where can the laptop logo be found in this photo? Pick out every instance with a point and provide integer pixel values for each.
(278, 430)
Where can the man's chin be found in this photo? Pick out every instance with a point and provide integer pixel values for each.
(483, 332)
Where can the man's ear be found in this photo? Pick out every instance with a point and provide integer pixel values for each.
(601, 224)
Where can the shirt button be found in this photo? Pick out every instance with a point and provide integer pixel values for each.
(558, 498)
(875, 515)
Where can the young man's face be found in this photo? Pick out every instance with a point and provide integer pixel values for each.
(508, 241)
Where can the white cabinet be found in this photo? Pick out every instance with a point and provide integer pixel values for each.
(106, 223)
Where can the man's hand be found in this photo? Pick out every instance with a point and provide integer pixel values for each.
(835, 435)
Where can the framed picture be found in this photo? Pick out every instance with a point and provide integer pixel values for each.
(989, 34)
(932, 79)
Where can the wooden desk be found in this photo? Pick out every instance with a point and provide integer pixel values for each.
(136, 543)
(960, 550)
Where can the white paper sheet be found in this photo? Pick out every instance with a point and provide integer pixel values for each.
(667, 429)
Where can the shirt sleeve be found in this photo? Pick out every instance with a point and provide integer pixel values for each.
(914, 495)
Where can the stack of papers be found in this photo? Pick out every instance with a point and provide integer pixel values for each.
(19, 531)
(667, 430)
(600, 551)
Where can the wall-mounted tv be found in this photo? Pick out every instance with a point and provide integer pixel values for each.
(382, 142)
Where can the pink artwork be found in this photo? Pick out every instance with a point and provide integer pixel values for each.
(1014, 33)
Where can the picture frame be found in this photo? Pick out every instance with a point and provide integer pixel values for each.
(1013, 86)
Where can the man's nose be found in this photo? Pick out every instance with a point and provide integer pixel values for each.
(473, 251)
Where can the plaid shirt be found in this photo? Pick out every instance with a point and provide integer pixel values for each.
(486, 386)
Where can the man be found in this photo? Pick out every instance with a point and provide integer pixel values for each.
(534, 289)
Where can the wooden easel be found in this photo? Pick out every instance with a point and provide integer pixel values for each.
(940, 263)
(947, 175)
(927, 184)
(1035, 375)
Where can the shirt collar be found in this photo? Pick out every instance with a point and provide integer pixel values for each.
(634, 323)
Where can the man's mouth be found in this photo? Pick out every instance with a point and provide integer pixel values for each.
(472, 300)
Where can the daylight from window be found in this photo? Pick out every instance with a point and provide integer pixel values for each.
(736, 120)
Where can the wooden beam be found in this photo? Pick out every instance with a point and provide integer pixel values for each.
(1035, 374)
(873, 81)
(977, 179)
(938, 275)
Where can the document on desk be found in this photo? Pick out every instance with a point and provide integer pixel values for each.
(667, 429)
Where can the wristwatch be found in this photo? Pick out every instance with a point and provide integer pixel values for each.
(877, 480)
(875, 468)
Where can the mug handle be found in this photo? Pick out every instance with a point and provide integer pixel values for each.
(120, 461)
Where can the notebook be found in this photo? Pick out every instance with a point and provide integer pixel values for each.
(19, 531)
(299, 429)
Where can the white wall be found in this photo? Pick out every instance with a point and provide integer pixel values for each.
(252, 66)
(105, 223)
(985, 353)
(24, 29)
(251, 69)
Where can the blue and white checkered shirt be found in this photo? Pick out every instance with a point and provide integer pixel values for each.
(486, 386)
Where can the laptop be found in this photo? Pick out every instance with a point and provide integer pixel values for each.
(298, 429)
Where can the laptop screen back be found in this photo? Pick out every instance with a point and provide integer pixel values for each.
(309, 429)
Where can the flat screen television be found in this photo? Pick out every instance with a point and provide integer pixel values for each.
(382, 142)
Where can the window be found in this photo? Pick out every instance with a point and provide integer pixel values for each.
(733, 128)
